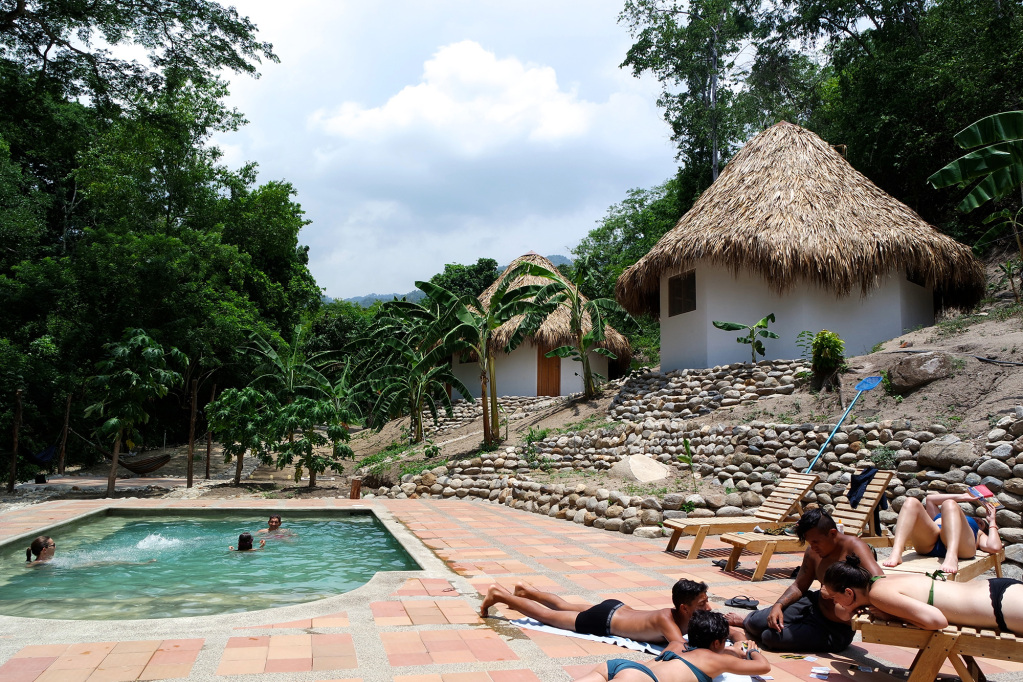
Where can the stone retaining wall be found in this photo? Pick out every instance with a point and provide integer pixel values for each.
(737, 465)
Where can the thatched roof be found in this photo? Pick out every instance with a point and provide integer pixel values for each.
(555, 331)
(789, 208)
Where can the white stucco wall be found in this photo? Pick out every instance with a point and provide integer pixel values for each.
(516, 373)
(690, 340)
(572, 373)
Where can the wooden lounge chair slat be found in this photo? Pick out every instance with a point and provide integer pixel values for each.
(776, 509)
(856, 521)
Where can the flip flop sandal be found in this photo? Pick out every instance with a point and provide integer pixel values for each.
(721, 563)
(743, 602)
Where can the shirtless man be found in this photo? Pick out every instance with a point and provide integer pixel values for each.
(610, 617)
(274, 526)
(803, 620)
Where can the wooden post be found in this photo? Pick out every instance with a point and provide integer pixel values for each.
(356, 493)
(14, 453)
(112, 479)
(191, 435)
(209, 433)
(63, 437)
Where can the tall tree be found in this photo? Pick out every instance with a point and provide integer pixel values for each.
(136, 371)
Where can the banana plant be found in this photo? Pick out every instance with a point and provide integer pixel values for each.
(754, 332)
(998, 163)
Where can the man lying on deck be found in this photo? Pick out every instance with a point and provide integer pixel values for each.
(803, 620)
(608, 618)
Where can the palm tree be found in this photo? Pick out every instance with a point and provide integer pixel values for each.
(998, 163)
(286, 368)
(588, 321)
(135, 372)
(471, 326)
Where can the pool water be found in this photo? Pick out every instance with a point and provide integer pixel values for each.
(173, 566)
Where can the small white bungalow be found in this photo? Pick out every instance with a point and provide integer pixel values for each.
(525, 371)
(790, 228)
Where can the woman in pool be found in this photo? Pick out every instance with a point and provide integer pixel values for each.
(925, 602)
(43, 547)
(706, 658)
(938, 527)
(245, 544)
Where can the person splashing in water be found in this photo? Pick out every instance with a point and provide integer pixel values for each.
(43, 547)
(273, 528)
(245, 544)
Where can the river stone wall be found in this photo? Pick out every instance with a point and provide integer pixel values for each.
(736, 465)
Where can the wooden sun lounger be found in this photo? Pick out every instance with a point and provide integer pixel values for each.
(780, 505)
(858, 521)
(960, 645)
(968, 568)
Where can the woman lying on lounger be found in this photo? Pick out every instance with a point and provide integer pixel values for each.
(925, 602)
(938, 527)
(706, 658)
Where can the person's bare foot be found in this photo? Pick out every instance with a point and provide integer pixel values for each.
(893, 560)
(950, 565)
(522, 590)
(734, 620)
(492, 598)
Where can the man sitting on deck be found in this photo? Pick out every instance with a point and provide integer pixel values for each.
(803, 620)
(608, 618)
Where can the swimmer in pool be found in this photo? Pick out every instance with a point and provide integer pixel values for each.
(274, 527)
(245, 544)
(43, 547)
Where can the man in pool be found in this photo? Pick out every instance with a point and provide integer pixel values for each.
(274, 526)
(610, 617)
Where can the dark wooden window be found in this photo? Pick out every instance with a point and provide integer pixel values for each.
(682, 293)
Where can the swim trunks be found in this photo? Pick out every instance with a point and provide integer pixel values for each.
(596, 620)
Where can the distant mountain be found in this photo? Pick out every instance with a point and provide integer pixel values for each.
(416, 295)
(366, 301)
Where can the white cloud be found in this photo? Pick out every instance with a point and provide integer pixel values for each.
(473, 100)
(419, 134)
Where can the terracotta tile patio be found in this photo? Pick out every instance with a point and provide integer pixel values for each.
(424, 627)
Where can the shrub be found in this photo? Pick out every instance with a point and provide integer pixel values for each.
(828, 356)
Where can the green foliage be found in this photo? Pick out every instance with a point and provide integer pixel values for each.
(536, 435)
(828, 355)
(591, 313)
(877, 347)
(136, 370)
(467, 280)
(754, 333)
(883, 458)
(804, 342)
(997, 164)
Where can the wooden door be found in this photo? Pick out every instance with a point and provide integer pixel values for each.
(548, 373)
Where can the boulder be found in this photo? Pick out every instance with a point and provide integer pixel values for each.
(943, 454)
(639, 468)
(995, 468)
(920, 369)
(648, 532)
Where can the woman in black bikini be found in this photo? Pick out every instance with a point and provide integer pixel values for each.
(925, 602)
(706, 658)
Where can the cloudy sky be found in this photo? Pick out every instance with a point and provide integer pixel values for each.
(420, 133)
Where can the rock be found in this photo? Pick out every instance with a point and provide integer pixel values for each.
(648, 532)
(1003, 451)
(1014, 485)
(614, 512)
(945, 455)
(1012, 571)
(1014, 553)
(613, 524)
(919, 369)
(629, 526)
(729, 511)
(714, 499)
(651, 503)
(650, 517)
(672, 501)
(639, 468)
(672, 514)
(994, 467)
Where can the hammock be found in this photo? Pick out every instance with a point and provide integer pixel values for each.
(43, 460)
(135, 464)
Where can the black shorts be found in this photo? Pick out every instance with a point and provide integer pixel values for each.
(596, 620)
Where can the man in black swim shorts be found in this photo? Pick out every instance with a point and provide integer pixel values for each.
(610, 617)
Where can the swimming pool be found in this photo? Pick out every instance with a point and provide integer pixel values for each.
(125, 566)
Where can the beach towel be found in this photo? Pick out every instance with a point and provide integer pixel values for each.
(624, 642)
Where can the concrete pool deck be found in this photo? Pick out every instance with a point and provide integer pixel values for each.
(411, 626)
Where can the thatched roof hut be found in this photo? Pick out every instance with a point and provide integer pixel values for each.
(556, 330)
(790, 208)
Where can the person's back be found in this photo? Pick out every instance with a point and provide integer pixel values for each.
(706, 657)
